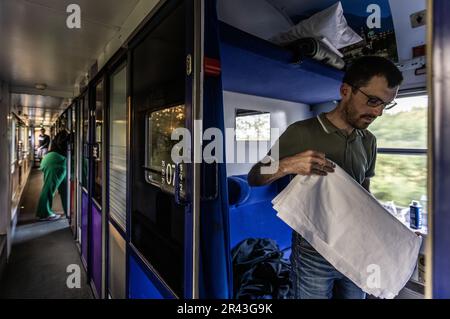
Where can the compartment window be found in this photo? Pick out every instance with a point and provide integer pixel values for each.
(160, 168)
(13, 140)
(252, 125)
(118, 125)
(85, 141)
(401, 169)
(98, 146)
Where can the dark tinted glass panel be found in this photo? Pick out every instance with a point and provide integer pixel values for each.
(85, 141)
(74, 148)
(98, 146)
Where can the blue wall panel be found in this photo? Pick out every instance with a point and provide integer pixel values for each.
(440, 150)
(140, 285)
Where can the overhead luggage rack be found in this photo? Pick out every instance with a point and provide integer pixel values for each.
(251, 65)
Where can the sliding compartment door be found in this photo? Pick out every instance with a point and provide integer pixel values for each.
(162, 194)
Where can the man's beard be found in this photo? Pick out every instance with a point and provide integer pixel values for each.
(357, 121)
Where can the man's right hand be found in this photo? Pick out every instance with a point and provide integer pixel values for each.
(307, 163)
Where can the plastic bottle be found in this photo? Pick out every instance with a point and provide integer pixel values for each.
(415, 215)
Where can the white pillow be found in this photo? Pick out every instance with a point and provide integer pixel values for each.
(329, 23)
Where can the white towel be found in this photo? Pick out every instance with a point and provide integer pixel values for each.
(351, 230)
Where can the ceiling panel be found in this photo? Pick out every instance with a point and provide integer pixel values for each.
(37, 46)
(109, 12)
(265, 22)
(38, 109)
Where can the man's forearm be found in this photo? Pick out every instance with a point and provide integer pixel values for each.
(256, 178)
(305, 163)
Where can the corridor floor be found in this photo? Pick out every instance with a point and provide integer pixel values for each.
(41, 253)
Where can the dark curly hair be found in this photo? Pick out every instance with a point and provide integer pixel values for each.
(359, 73)
(60, 143)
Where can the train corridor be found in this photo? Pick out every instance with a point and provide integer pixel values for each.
(41, 252)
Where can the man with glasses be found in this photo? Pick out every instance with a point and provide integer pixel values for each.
(306, 147)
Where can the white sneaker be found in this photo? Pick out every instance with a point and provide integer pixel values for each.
(51, 217)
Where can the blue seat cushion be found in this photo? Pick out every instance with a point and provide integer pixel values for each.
(251, 213)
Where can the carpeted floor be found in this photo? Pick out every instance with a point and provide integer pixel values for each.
(41, 253)
(30, 198)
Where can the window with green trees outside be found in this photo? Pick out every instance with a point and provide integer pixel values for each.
(401, 169)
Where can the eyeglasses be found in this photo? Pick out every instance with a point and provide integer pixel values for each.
(374, 101)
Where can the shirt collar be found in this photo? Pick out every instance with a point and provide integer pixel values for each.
(329, 128)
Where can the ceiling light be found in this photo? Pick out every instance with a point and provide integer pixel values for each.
(40, 86)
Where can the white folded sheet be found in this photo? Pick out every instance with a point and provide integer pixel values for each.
(351, 230)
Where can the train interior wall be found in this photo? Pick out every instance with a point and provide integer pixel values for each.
(247, 204)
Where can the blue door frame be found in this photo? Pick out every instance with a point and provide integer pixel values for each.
(440, 159)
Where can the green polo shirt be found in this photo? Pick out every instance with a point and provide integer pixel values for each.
(355, 153)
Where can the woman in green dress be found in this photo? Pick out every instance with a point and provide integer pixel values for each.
(54, 167)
